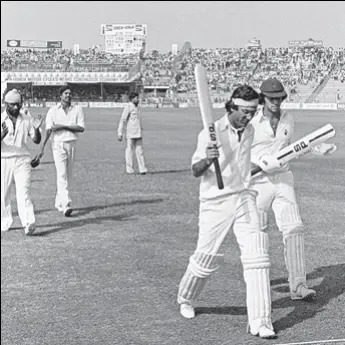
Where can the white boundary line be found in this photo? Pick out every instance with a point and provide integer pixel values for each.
(316, 342)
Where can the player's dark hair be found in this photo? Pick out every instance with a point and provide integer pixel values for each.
(133, 95)
(62, 89)
(245, 92)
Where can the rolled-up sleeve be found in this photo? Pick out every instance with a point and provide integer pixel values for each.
(49, 119)
(200, 152)
(80, 118)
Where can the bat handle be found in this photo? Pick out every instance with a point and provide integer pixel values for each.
(255, 170)
(218, 174)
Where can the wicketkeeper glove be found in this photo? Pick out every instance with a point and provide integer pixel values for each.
(269, 164)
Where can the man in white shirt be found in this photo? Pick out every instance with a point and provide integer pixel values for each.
(63, 124)
(130, 124)
(16, 128)
(233, 207)
(274, 130)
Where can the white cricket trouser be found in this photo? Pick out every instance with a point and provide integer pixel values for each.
(64, 154)
(277, 191)
(216, 219)
(16, 170)
(135, 145)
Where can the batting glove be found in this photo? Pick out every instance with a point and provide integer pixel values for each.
(269, 164)
(324, 149)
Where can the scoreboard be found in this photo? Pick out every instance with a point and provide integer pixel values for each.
(124, 38)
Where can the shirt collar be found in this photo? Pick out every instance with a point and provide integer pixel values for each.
(60, 106)
(262, 117)
(224, 124)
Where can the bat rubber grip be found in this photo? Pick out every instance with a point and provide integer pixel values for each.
(218, 174)
(256, 170)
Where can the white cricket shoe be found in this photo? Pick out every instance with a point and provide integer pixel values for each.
(187, 311)
(266, 333)
(303, 293)
(30, 229)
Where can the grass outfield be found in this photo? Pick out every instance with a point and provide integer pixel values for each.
(110, 273)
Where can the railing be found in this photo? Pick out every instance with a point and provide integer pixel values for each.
(76, 67)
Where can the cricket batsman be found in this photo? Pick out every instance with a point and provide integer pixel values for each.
(274, 129)
(233, 207)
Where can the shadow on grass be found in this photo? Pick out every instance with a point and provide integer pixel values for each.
(331, 287)
(71, 223)
(15, 213)
(221, 310)
(82, 211)
(168, 171)
(67, 225)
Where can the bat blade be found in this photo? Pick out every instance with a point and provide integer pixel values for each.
(204, 97)
(206, 114)
(303, 145)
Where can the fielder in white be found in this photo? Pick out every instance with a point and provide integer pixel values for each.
(274, 129)
(233, 207)
(17, 126)
(63, 124)
(130, 124)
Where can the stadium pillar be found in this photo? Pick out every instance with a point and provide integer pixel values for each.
(102, 94)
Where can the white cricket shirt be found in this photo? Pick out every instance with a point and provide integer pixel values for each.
(15, 142)
(265, 142)
(57, 116)
(234, 160)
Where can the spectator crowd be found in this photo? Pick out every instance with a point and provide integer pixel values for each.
(173, 75)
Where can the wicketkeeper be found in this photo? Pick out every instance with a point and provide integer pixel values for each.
(233, 207)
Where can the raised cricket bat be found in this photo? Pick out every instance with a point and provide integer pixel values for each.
(206, 114)
(303, 145)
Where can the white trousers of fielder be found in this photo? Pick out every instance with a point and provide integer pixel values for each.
(16, 170)
(216, 219)
(64, 155)
(135, 145)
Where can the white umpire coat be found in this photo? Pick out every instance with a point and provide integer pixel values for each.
(130, 123)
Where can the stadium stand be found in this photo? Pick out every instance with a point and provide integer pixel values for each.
(309, 74)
